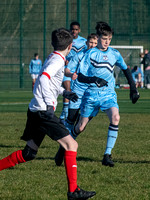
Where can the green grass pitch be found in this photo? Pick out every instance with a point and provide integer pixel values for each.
(40, 179)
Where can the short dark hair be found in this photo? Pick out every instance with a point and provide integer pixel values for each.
(74, 24)
(102, 28)
(61, 39)
(135, 68)
(36, 54)
(92, 36)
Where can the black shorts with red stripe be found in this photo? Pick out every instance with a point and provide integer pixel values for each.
(38, 125)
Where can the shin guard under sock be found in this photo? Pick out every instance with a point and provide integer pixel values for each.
(12, 160)
(71, 169)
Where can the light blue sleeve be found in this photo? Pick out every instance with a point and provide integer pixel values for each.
(73, 63)
(120, 61)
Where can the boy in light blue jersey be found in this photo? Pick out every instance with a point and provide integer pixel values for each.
(100, 62)
(72, 70)
(77, 86)
(78, 45)
(34, 68)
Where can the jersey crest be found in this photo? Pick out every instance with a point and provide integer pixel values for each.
(105, 57)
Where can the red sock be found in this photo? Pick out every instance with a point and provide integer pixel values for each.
(71, 169)
(11, 160)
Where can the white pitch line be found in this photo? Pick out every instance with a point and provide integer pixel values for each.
(14, 103)
(17, 103)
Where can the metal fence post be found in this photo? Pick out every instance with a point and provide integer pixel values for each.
(89, 16)
(110, 12)
(131, 21)
(79, 11)
(21, 45)
(67, 14)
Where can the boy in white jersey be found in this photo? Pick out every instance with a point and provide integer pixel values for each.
(78, 45)
(41, 119)
(101, 62)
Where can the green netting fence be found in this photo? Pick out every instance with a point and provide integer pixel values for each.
(26, 28)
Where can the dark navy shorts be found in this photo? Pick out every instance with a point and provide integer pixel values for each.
(38, 125)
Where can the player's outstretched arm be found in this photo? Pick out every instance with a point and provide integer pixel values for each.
(86, 79)
(134, 94)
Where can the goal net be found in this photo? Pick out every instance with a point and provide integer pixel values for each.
(131, 55)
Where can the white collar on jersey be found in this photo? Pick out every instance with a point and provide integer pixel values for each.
(60, 54)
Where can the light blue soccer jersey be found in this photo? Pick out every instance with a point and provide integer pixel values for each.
(77, 86)
(35, 66)
(100, 64)
(78, 45)
(75, 61)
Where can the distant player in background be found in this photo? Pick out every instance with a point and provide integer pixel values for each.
(42, 121)
(137, 76)
(72, 70)
(79, 43)
(100, 63)
(146, 63)
(34, 68)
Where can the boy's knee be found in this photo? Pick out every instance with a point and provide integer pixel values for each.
(73, 146)
(115, 119)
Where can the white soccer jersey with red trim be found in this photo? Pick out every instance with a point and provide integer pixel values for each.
(48, 85)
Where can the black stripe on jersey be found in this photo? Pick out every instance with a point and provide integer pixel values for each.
(77, 50)
(102, 65)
